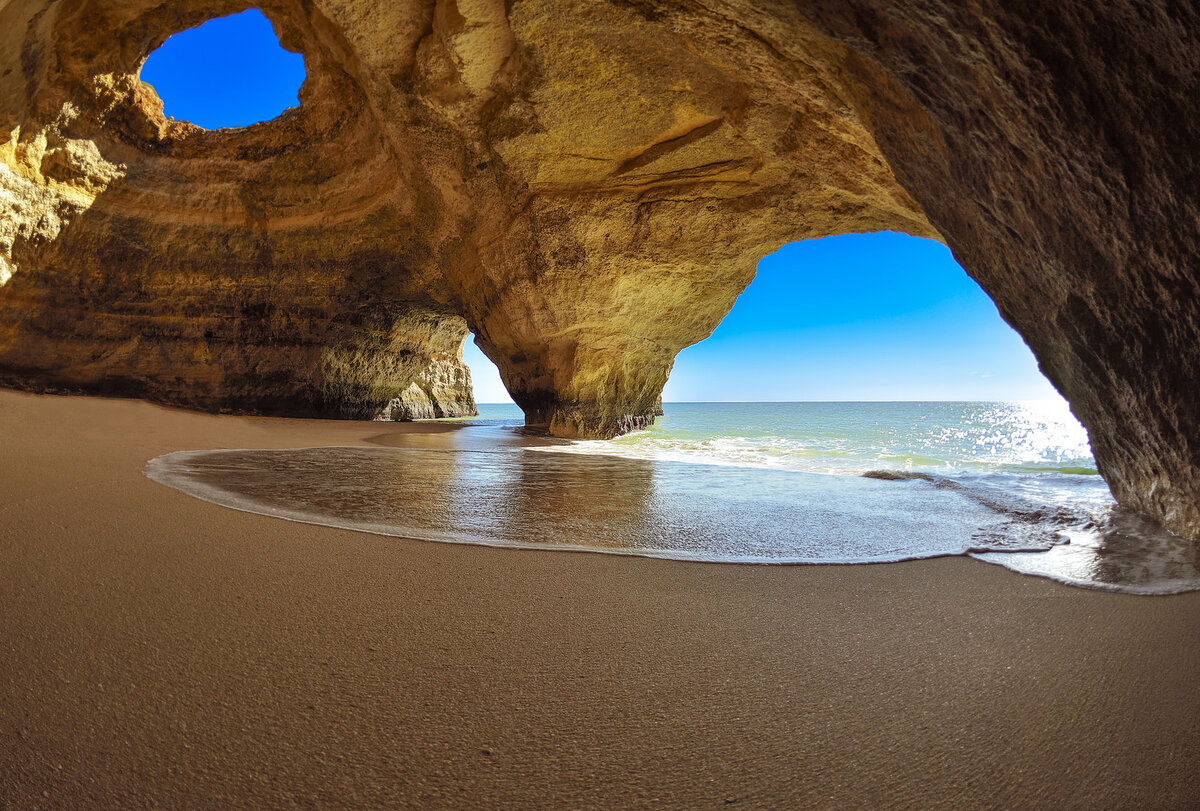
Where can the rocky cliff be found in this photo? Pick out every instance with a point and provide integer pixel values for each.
(587, 186)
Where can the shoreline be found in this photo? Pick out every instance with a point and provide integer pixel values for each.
(164, 470)
(210, 494)
(482, 486)
(161, 649)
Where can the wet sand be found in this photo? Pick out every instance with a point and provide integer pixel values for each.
(159, 650)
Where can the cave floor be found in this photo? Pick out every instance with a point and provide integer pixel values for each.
(160, 650)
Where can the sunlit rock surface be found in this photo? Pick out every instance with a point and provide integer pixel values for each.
(587, 186)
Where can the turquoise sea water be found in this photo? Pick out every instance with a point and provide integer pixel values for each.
(1007, 483)
(849, 438)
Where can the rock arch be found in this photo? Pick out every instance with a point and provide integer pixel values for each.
(587, 187)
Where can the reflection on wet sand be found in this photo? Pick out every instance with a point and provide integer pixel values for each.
(457, 487)
(498, 487)
(1133, 550)
(1118, 550)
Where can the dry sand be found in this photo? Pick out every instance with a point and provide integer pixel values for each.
(160, 650)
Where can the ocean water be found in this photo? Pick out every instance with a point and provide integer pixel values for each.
(1012, 484)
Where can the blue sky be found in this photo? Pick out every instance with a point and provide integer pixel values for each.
(856, 317)
(229, 72)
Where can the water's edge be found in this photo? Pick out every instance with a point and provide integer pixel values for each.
(549, 502)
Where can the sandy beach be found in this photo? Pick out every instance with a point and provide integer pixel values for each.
(157, 650)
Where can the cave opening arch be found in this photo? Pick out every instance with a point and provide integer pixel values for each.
(860, 317)
(868, 350)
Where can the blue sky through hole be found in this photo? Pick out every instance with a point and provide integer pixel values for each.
(228, 72)
(879, 316)
(856, 317)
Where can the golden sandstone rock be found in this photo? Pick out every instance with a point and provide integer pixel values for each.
(587, 186)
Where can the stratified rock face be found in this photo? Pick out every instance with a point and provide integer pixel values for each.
(587, 186)
(285, 268)
(1056, 146)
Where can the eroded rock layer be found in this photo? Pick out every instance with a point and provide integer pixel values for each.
(587, 186)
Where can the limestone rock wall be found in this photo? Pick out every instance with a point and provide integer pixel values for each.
(283, 268)
(1057, 148)
(587, 186)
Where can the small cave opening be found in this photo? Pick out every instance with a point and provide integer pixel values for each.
(491, 397)
(228, 72)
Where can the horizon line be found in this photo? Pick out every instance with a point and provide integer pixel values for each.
(789, 402)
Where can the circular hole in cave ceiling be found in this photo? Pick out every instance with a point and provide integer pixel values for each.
(228, 72)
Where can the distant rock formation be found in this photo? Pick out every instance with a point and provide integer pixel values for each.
(587, 186)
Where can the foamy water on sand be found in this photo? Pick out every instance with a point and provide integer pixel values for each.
(1008, 483)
